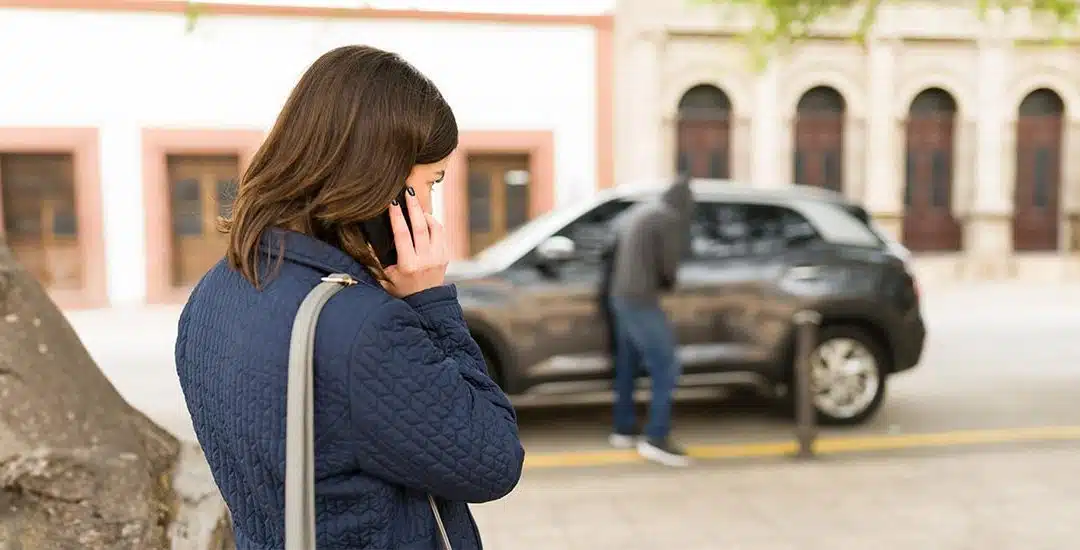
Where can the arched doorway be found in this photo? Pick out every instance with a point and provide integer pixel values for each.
(703, 134)
(819, 139)
(1037, 194)
(929, 224)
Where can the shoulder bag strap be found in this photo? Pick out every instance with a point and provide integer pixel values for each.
(299, 428)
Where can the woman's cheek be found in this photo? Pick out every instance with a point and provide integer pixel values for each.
(424, 194)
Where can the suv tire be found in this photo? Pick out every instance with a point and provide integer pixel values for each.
(874, 360)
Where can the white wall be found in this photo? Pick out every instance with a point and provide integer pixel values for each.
(121, 72)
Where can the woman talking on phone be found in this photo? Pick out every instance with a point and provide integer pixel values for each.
(403, 405)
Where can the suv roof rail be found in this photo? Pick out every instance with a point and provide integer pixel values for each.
(729, 188)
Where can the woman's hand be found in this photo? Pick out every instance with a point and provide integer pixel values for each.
(422, 255)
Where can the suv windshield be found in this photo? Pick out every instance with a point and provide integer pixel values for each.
(838, 223)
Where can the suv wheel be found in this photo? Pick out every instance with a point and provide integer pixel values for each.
(848, 375)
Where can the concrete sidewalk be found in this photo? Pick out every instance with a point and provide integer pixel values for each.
(999, 499)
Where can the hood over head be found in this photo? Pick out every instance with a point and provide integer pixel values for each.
(679, 197)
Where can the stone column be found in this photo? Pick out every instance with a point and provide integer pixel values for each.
(1070, 185)
(766, 139)
(883, 175)
(991, 117)
(1070, 199)
(646, 110)
(987, 227)
(964, 163)
(854, 161)
(742, 149)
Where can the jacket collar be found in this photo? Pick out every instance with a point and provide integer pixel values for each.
(311, 252)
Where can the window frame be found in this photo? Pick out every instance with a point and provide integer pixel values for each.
(158, 145)
(83, 144)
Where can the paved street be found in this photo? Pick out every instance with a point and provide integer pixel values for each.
(990, 500)
(1002, 357)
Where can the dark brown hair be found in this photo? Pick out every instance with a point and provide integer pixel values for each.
(347, 138)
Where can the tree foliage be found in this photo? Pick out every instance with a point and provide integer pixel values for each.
(786, 21)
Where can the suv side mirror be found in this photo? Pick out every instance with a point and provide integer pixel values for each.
(555, 250)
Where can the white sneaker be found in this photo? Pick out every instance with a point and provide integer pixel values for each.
(664, 452)
(622, 441)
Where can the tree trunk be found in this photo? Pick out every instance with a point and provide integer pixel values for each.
(79, 467)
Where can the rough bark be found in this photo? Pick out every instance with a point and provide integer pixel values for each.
(80, 468)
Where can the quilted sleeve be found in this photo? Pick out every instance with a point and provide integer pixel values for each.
(440, 310)
(424, 413)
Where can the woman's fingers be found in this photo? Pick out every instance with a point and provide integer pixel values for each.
(421, 236)
(438, 235)
(403, 239)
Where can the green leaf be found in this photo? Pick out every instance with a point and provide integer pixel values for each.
(192, 12)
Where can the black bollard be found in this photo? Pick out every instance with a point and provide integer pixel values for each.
(806, 430)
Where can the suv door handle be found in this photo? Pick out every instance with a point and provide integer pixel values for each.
(804, 273)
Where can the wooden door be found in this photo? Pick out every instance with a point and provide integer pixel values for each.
(40, 223)
(819, 139)
(703, 134)
(1037, 194)
(704, 149)
(202, 189)
(497, 197)
(929, 224)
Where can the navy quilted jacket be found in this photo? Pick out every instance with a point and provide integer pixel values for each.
(403, 405)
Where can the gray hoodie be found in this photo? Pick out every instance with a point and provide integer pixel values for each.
(650, 240)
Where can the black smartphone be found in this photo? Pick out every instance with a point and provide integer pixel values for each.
(380, 234)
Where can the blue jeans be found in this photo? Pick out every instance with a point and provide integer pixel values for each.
(643, 335)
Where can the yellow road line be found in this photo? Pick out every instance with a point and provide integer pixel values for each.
(823, 446)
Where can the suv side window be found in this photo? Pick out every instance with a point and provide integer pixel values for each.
(729, 230)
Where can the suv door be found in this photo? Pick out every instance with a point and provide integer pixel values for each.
(714, 288)
(559, 305)
(729, 309)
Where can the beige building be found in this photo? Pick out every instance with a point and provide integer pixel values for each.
(961, 136)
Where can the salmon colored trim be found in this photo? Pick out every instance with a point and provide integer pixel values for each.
(539, 145)
(210, 9)
(157, 144)
(605, 107)
(82, 143)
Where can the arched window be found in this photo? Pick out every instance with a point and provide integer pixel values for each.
(703, 133)
(1037, 192)
(819, 139)
(929, 224)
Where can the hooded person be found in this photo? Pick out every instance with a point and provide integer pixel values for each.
(650, 239)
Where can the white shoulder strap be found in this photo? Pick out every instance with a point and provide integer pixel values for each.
(299, 428)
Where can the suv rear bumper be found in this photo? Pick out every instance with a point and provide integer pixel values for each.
(908, 342)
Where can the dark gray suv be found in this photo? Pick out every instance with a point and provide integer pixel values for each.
(757, 256)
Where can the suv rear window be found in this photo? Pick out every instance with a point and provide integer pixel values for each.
(862, 215)
(842, 224)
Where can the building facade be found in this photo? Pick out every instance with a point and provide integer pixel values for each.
(960, 135)
(122, 130)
